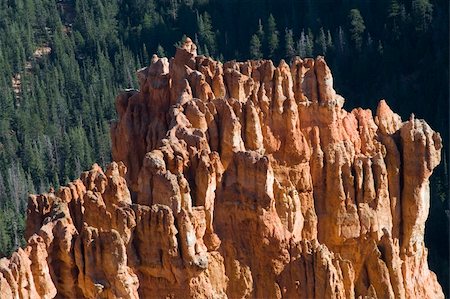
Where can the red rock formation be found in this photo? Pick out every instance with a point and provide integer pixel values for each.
(238, 180)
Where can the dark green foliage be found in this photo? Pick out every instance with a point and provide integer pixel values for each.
(272, 36)
(207, 38)
(289, 45)
(357, 27)
(160, 51)
(422, 13)
(321, 42)
(255, 47)
(57, 124)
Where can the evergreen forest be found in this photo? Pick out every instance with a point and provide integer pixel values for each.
(63, 61)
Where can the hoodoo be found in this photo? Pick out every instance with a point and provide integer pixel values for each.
(238, 180)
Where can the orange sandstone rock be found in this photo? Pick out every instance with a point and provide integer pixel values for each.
(238, 180)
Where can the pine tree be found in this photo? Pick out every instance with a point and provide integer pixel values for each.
(309, 43)
(272, 36)
(301, 45)
(341, 40)
(160, 51)
(396, 18)
(380, 48)
(199, 48)
(321, 41)
(422, 13)
(394, 9)
(206, 51)
(179, 43)
(289, 44)
(205, 32)
(255, 47)
(146, 58)
(357, 28)
(369, 42)
(260, 31)
(173, 9)
(329, 41)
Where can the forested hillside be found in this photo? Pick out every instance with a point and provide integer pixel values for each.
(62, 63)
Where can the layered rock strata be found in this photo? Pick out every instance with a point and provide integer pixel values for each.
(238, 180)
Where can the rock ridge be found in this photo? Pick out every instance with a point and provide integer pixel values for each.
(238, 180)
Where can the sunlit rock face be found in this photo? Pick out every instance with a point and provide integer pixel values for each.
(238, 180)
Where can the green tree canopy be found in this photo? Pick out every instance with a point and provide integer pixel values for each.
(357, 28)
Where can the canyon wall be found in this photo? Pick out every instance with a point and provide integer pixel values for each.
(238, 180)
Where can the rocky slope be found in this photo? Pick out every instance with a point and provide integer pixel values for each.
(238, 180)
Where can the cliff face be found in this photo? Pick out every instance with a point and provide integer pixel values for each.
(238, 180)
